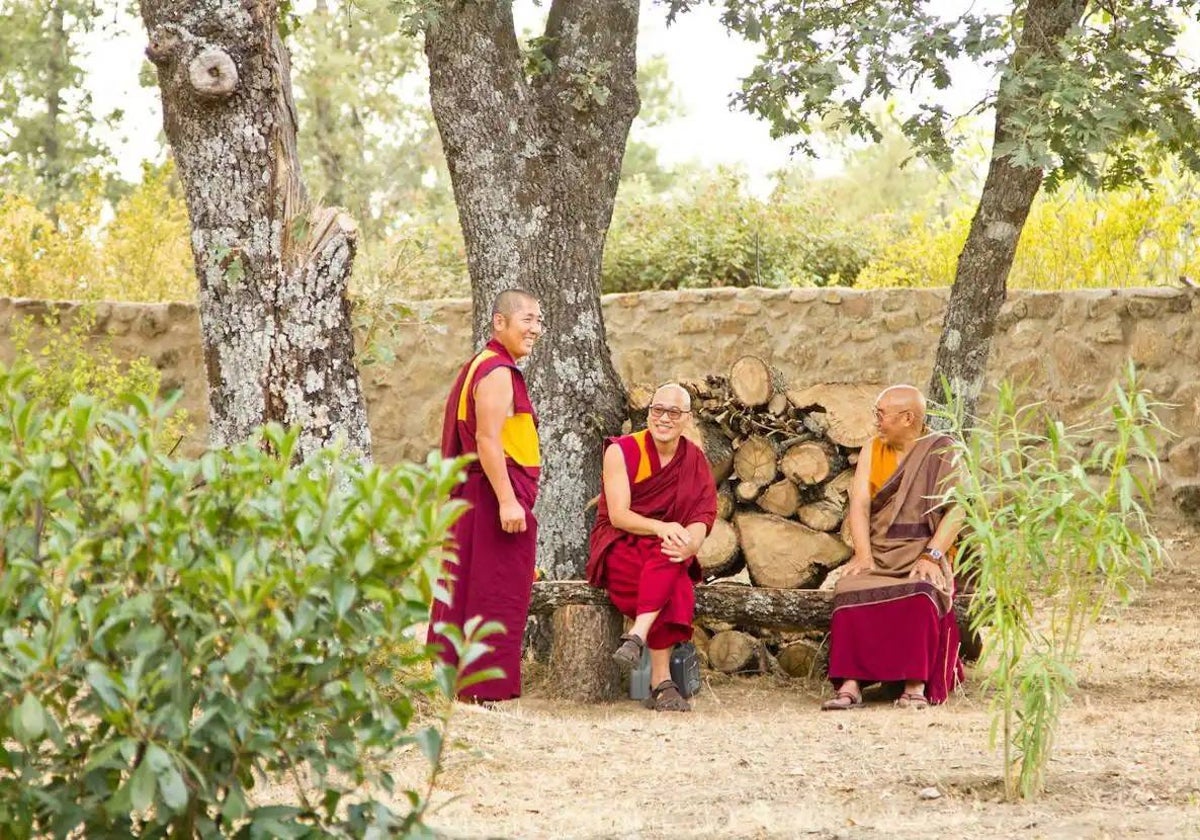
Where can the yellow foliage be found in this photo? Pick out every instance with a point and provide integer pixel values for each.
(141, 253)
(1072, 240)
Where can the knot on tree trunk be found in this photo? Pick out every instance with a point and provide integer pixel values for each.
(164, 42)
(213, 74)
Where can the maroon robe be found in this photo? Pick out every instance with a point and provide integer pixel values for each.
(492, 572)
(638, 576)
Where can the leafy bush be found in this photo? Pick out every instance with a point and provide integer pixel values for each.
(1056, 531)
(1074, 239)
(176, 632)
(141, 253)
(67, 361)
(716, 234)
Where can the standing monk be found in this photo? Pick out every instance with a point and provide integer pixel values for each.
(892, 615)
(657, 506)
(489, 415)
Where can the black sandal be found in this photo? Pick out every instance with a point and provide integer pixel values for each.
(629, 654)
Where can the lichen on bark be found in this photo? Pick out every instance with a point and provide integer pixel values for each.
(272, 269)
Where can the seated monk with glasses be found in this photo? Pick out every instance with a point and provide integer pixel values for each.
(892, 617)
(658, 504)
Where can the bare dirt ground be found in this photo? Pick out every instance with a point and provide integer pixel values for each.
(756, 758)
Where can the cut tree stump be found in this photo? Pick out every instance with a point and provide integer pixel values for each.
(810, 462)
(802, 658)
(757, 460)
(734, 652)
(781, 499)
(821, 515)
(753, 382)
(783, 554)
(746, 492)
(720, 556)
(583, 639)
(847, 409)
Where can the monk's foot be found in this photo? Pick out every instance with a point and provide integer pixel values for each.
(843, 701)
(479, 702)
(665, 697)
(912, 700)
(629, 654)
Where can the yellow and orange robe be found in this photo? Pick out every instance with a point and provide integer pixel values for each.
(886, 626)
(492, 572)
(638, 576)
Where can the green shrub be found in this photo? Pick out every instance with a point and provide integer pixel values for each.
(176, 632)
(1056, 531)
(718, 235)
(68, 361)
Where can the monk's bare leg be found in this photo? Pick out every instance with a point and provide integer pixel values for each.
(660, 665)
(641, 624)
(628, 654)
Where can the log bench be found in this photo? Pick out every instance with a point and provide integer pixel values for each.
(778, 609)
(585, 625)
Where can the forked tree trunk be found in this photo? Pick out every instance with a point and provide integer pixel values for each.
(980, 281)
(272, 269)
(534, 161)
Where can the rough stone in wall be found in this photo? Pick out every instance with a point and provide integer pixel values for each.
(865, 338)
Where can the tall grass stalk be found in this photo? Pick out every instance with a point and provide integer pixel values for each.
(1056, 531)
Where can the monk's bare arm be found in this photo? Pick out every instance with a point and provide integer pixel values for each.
(947, 530)
(493, 403)
(860, 515)
(697, 531)
(617, 499)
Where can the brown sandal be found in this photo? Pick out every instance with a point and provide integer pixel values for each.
(665, 697)
(836, 704)
(912, 700)
(629, 654)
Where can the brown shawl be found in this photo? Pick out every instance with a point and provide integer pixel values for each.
(905, 513)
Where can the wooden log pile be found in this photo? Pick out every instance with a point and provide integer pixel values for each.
(783, 459)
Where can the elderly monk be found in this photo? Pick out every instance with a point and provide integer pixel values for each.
(488, 414)
(892, 616)
(657, 506)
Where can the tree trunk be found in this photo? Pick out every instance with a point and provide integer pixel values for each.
(534, 162)
(56, 82)
(576, 673)
(1008, 192)
(272, 269)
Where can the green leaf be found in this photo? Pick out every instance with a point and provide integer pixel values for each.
(174, 791)
(141, 787)
(29, 719)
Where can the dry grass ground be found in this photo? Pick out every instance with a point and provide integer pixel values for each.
(757, 759)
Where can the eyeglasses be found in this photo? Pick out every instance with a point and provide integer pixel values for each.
(668, 410)
(879, 414)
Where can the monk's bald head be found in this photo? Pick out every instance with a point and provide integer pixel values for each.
(903, 398)
(673, 394)
(511, 301)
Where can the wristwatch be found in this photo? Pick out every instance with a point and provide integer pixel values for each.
(933, 554)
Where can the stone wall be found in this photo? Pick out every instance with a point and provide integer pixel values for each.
(1067, 348)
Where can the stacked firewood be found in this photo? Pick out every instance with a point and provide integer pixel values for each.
(783, 459)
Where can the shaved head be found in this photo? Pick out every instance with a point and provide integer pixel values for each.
(903, 398)
(511, 300)
(680, 395)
